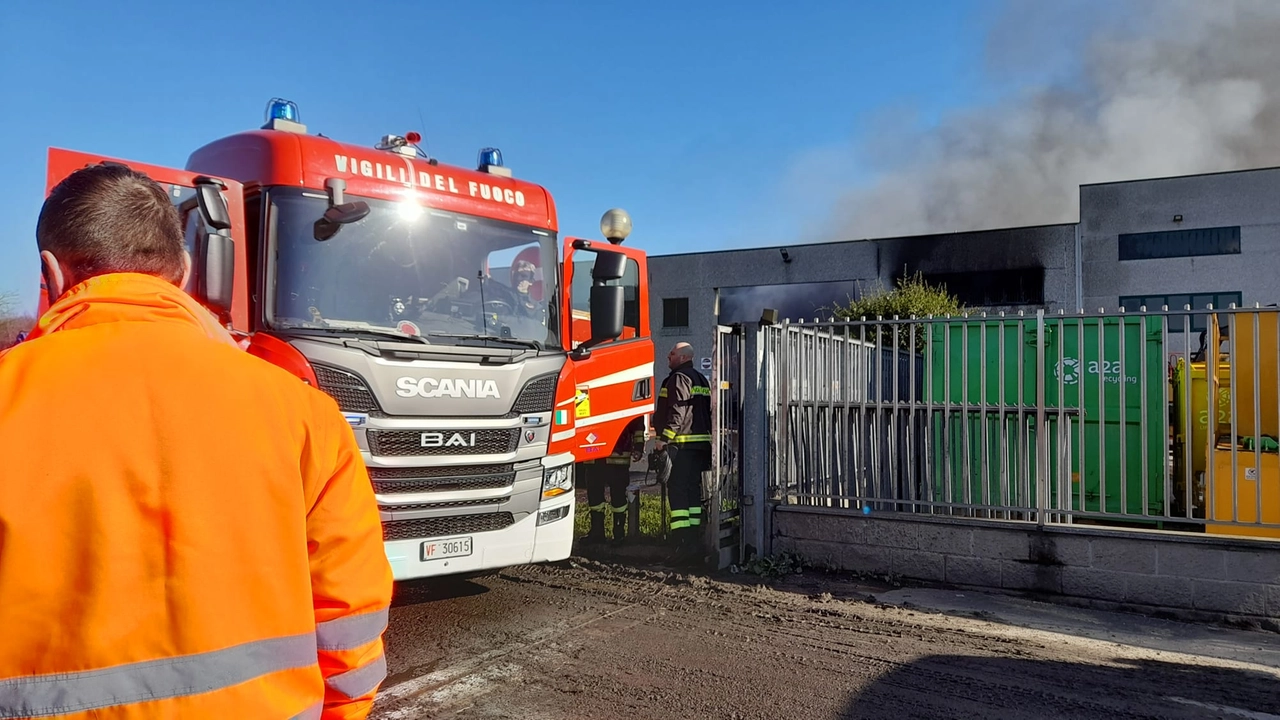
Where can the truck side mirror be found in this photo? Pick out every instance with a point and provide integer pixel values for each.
(609, 266)
(216, 282)
(335, 217)
(213, 206)
(606, 312)
(608, 302)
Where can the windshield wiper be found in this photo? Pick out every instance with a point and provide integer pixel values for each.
(521, 342)
(373, 331)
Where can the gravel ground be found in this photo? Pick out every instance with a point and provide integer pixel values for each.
(586, 639)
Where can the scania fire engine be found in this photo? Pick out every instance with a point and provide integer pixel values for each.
(474, 361)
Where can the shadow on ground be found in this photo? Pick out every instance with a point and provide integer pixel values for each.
(424, 590)
(962, 686)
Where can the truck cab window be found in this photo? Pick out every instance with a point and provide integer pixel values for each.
(193, 225)
(445, 275)
(580, 299)
(184, 199)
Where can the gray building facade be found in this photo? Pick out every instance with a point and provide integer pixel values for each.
(1193, 240)
(1182, 241)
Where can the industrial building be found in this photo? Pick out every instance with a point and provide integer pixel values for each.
(1191, 240)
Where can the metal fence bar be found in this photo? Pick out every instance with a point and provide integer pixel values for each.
(1142, 406)
(1188, 439)
(1102, 411)
(1006, 484)
(892, 434)
(783, 384)
(1166, 476)
(1064, 422)
(984, 455)
(1235, 430)
(1042, 435)
(1083, 473)
(911, 438)
(1122, 334)
(945, 438)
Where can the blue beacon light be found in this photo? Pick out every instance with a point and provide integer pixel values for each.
(490, 157)
(280, 109)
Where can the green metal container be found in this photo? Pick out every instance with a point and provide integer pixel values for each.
(976, 456)
(990, 368)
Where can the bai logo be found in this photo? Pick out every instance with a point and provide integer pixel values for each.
(447, 387)
(438, 439)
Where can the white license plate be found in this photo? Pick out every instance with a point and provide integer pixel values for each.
(446, 548)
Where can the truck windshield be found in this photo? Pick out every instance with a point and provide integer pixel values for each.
(454, 277)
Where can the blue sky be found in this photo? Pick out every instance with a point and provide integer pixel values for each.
(721, 124)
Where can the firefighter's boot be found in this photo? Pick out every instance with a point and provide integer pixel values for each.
(596, 534)
(680, 545)
(619, 526)
(689, 551)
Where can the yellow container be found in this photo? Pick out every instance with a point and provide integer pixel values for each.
(1245, 493)
(1194, 374)
(1211, 435)
(1250, 346)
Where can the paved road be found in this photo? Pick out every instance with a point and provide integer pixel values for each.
(590, 640)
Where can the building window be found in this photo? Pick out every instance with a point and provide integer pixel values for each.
(1197, 301)
(1180, 243)
(994, 288)
(675, 312)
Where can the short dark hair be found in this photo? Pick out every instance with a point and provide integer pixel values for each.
(109, 218)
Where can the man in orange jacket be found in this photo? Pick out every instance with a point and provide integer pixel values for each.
(186, 531)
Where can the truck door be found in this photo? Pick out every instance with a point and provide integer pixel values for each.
(615, 382)
(212, 213)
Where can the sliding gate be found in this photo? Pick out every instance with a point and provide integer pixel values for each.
(722, 486)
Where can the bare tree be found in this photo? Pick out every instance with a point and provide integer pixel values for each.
(12, 322)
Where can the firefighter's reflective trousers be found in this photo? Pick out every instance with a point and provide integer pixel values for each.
(688, 463)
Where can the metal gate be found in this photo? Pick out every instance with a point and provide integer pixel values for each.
(723, 484)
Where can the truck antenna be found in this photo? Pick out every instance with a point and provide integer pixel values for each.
(422, 130)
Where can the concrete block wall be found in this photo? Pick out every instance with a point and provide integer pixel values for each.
(1195, 575)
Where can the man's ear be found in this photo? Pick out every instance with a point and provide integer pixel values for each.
(55, 280)
(186, 269)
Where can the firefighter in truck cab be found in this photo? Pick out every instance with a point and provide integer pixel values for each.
(682, 422)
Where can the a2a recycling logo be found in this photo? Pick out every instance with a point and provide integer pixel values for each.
(1068, 369)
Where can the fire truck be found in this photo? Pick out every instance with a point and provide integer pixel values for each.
(476, 355)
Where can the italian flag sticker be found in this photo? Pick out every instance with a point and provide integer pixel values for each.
(562, 417)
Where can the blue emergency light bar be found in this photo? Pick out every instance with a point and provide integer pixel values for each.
(490, 157)
(281, 109)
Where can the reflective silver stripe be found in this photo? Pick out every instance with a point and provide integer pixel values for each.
(45, 695)
(362, 680)
(312, 713)
(348, 633)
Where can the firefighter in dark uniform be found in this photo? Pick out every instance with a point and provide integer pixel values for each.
(614, 472)
(682, 422)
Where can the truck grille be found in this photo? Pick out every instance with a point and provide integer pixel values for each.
(466, 477)
(352, 393)
(442, 505)
(409, 442)
(349, 390)
(438, 527)
(538, 396)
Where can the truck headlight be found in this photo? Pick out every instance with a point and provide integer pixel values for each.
(557, 481)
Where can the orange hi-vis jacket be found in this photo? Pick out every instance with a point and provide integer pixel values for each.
(186, 531)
